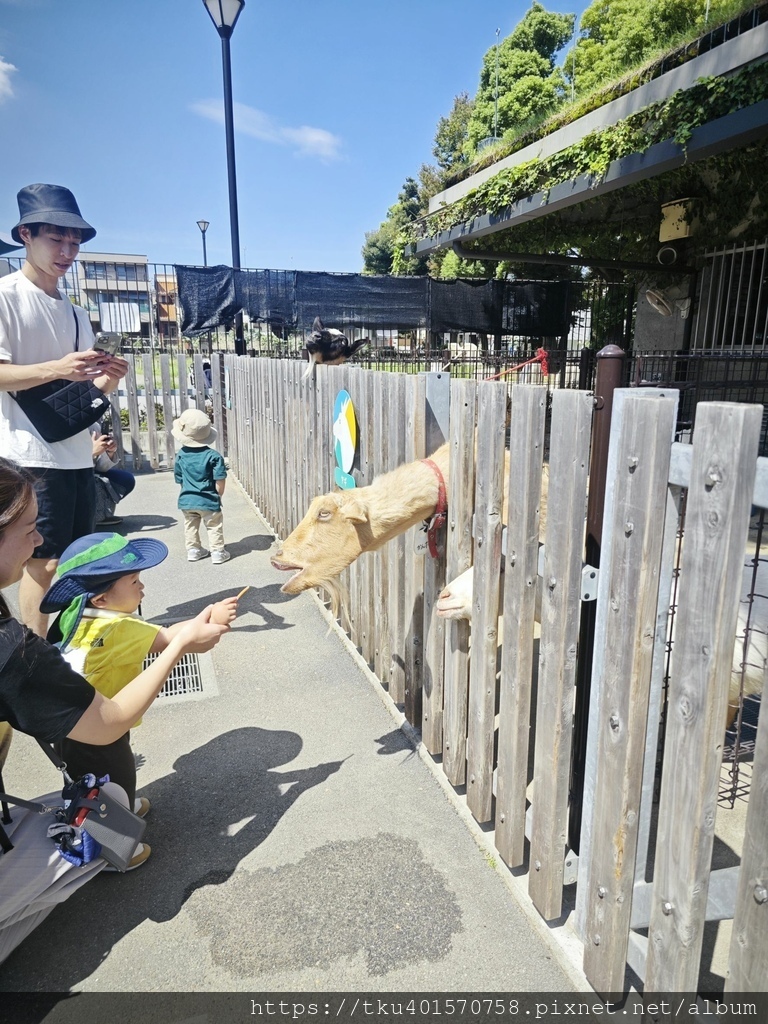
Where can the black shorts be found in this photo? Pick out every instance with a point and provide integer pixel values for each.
(66, 501)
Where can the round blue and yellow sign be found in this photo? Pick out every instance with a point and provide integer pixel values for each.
(344, 439)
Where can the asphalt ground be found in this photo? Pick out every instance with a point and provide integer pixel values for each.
(301, 839)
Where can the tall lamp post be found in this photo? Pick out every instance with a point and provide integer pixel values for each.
(224, 15)
(203, 225)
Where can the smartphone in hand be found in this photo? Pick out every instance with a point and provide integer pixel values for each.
(108, 342)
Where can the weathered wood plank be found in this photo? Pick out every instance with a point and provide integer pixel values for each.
(132, 398)
(526, 451)
(560, 612)
(217, 397)
(717, 520)
(628, 595)
(461, 497)
(413, 589)
(167, 398)
(181, 370)
(368, 451)
(396, 547)
(198, 381)
(489, 499)
(437, 426)
(381, 462)
(748, 960)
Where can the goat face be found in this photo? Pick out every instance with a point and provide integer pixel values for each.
(329, 538)
(455, 600)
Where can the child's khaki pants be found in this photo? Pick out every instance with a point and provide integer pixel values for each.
(214, 524)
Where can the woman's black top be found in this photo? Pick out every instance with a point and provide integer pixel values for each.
(39, 693)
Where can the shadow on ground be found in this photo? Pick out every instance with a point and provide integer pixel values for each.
(253, 602)
(221, 802)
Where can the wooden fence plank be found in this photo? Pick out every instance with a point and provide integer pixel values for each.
(461, 493)
(132, 398)
(717, 521)
(166, 388)
(199, 382)
(181, 369)
(489, 498)
(362, 382)
(217, 397)
(149, 399)
(381, 463)
(437, 397)
(396, 547)
(413, 590)
(561, 594)
(526, 450)
(748, 961)
(628, 593)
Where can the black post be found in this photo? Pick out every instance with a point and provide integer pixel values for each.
(610, 371)
(205, 255)
(232, 180)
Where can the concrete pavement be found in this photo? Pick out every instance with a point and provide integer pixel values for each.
(299, 841)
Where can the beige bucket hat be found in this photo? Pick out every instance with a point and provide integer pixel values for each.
(193, 428)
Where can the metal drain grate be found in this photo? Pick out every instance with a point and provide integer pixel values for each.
(192, 678)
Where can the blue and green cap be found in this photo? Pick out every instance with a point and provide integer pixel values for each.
(92, 563)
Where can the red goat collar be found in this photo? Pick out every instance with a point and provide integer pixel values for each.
(438, 520)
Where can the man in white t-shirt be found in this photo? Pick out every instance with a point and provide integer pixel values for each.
(44, 337)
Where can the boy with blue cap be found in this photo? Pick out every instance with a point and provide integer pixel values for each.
(97, 591)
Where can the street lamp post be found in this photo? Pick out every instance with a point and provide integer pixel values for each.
(496, 91)
(203, 225)
(224, 15)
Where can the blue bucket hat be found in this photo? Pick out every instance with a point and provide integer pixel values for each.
(50, 204)
(89, 566)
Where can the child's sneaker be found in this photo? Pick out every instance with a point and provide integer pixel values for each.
(195, 554)
(141, 806)
(217, 557)
(143, 851)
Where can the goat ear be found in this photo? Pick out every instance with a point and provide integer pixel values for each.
(318, 325)
(355, 511)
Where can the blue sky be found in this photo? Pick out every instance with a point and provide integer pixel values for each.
(337, 102)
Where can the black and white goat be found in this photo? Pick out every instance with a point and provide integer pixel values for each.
(328, 345)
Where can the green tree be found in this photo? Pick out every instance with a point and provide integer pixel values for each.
(382, 251)
(616, 35)
(529, 83)
(451, 134)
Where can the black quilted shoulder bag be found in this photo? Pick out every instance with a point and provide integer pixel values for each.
(62, 408)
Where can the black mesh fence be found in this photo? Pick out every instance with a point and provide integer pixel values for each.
(705, 377)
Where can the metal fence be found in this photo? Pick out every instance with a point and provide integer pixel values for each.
(141, 301)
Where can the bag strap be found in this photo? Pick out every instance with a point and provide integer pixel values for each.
(53, 756)
(77, 328)
(5, 798)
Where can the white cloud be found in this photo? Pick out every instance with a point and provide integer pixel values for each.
(304, 140)
(6, 70)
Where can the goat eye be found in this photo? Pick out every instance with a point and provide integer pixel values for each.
(324, 514)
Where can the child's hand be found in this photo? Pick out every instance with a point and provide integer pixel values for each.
(202, 633)
(224, 612)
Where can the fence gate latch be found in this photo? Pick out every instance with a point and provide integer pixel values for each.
(589, 578)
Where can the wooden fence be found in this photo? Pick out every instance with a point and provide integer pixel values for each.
(501, 723)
